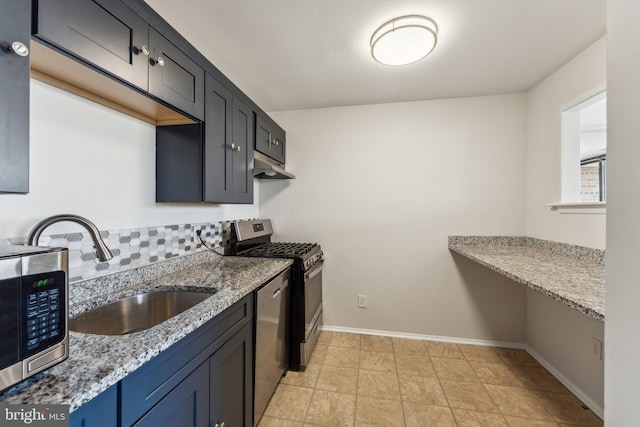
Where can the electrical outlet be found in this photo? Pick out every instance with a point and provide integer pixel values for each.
(362, 301)
(596, 348)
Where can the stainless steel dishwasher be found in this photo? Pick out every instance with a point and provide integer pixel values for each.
(272, 340)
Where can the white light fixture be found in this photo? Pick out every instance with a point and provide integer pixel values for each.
(404, 40)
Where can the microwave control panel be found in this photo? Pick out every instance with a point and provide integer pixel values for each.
(44, 318)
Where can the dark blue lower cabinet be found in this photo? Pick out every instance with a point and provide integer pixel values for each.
(102, 411)
(204, 380)
(187, 405)
(231, 373)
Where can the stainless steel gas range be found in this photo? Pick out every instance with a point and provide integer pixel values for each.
(253, 238)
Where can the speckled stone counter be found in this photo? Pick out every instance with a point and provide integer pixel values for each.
(97, 362)
(572, 275)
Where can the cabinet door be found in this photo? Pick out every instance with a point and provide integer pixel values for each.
(179, 163)
(228, 147)
(231, 372)
(174, 77)
(101, 411)
(14, 103)
(185, 406)
(105, 33)
(218, 155)
(270, 139)
(243, 153)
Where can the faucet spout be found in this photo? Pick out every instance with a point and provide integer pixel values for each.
(103, 252)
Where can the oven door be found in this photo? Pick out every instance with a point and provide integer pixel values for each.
(312, 297)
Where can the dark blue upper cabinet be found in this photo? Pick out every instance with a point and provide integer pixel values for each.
(228, 146)
(218, 154)
(104, 33)
(110, 36)
(14, 102)
(270, 138)
(175, 78)
(242, 162)
(210, 162)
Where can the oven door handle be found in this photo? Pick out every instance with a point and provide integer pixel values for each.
(315, 271)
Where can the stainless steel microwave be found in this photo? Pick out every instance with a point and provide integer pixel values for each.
(34, 310)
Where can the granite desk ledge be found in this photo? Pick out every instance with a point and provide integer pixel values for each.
(97, 362)
(572, 275)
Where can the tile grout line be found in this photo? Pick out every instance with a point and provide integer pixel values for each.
(483, 385)
(395, 362)
(441, 387)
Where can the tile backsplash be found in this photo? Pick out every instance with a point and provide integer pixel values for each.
(133, 247)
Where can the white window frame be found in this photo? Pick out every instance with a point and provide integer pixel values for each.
(570, 156)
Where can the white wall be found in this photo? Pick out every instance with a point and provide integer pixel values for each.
(623, 216)
(560, 335)
(563, 337)
(568, 85)
(89, 160)
(380, 187)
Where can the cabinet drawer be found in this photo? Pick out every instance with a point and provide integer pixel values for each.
(104, 33)
(270, 139)
(146, 386)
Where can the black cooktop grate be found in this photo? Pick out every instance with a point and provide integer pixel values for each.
(277, 249)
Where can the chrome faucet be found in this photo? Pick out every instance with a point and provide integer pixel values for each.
(103, 252)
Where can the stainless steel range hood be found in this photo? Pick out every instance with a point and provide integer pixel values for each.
(266, 168)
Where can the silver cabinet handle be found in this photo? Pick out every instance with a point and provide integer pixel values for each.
(276, 293)
(160, 61)
(238, 148)
(19, 49)
(220, 424)
(232, 147)
(143, 49)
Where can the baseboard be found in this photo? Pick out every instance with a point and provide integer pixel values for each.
(438, 338)
(597, 409)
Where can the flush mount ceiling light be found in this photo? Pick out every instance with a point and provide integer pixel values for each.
(404, 40)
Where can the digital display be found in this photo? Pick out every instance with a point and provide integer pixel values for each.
(258, 227)
(42, 283)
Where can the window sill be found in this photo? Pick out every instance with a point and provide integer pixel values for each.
(597, 208)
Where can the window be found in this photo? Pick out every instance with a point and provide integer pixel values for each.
(584, 150)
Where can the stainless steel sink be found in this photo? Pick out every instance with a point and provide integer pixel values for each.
(136, 313)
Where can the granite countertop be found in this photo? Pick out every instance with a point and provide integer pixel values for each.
(572, 275)
(97, 362)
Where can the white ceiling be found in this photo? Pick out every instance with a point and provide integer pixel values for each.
(298, 54)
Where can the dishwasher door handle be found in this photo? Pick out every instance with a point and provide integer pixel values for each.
(276, 293)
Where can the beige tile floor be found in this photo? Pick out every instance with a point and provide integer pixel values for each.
(362, 380)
